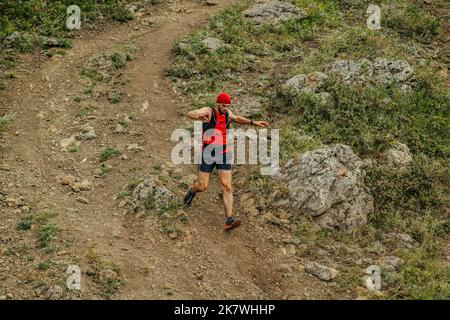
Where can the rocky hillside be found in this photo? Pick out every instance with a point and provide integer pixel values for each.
(85, 171)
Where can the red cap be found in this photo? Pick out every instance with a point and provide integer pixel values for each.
(224, 98)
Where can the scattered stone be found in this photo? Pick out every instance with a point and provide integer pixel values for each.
(290, 248)
(5, 167)
(213, 44)
(322, 272)
(379, 71)
(318, 188)
(120, 128)
(376, 248)
(400, 239)
(302, 250)
(55, 292)
(116, 234)
(273, 12)
(390, 263)
(173, 235)
(82, 200)
(85, 185)
(145, 106)
(135, 147)
(67, 143)
(67, 180)
(81, 186)
(248, 204)
(398, 157)
(13, 202)
(88, 132)
(311, 83)
(108, 275)
(12, 38)
(284, 268)
(211, 3)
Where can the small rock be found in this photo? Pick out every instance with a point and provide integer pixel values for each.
(213, 44)
(82, 200)
(302, 250)
(291, 249)
(390, 263)
(55, 292)
(5, 167)
(400, 239)
(322, 272)
(13, 202)
(134, 146)
(66, 143)
(85, 185)
(120, 128)
(67, 180)
(173, 235)
(108, 275)
(284, 268)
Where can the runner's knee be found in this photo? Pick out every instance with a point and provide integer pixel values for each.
(226, 187)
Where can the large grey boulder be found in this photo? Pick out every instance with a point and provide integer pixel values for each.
(378, 71)
(273, 12)
(328, 185)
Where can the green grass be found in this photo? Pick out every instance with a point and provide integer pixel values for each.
(209, 72)
(4, 122)
(109, 153)
(48, 18)
(46, 234)
(25, 222)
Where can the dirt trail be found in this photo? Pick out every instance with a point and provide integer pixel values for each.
(205, 263)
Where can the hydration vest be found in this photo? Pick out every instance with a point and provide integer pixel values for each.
(220, 123)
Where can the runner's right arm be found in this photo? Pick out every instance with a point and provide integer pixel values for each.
(203, 114)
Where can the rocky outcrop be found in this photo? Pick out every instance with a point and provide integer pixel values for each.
(328, 185)
(273, 12)
(312, 83)
(379, 71)
(152, 194)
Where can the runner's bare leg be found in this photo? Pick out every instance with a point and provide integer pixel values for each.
(202, 183)
(225, 182)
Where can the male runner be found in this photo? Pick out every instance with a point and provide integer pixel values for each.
(218, 119)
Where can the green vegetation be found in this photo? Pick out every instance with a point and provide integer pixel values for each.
(48, 18)
(110, 284)
(108, 153)
(25, 222)
(4, 121)
(246, 47)
(45, 234)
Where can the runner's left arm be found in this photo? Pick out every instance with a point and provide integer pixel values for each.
(244, 120)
